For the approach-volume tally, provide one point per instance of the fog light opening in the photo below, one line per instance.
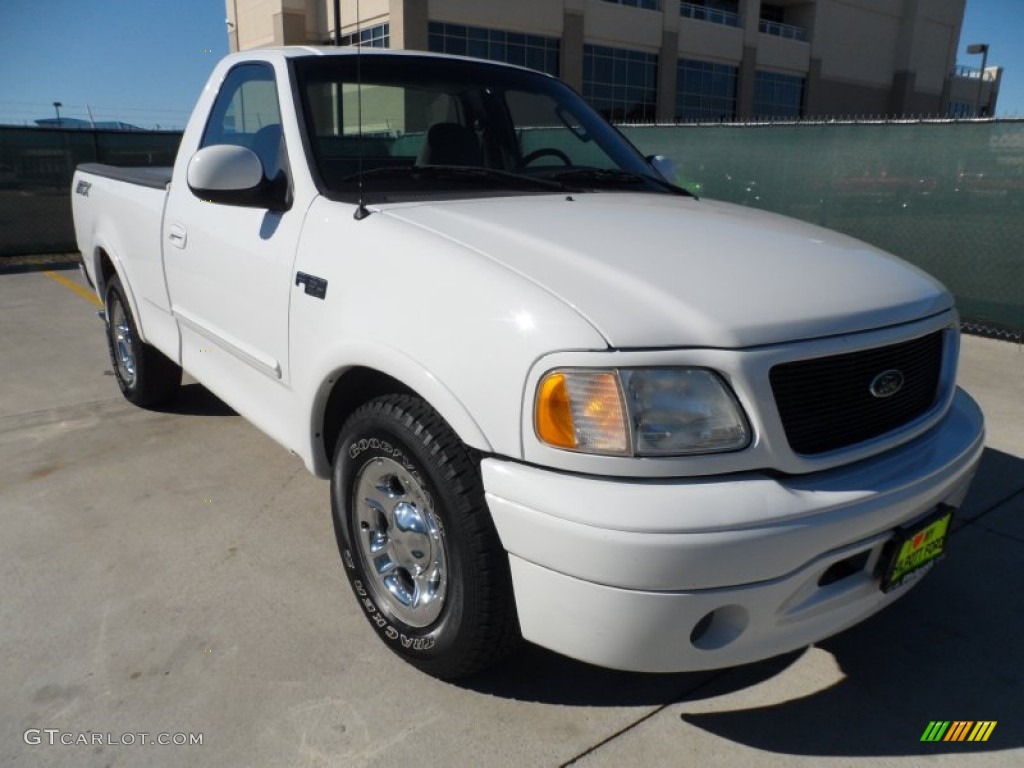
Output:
(844, 569)
(719, 627)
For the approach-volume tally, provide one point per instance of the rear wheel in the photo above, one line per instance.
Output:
(417, 539)
(145, 375)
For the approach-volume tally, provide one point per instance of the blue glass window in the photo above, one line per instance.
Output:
(533, 51)
(621, 84)
(370, 37)
(705, 91)
(778, 95)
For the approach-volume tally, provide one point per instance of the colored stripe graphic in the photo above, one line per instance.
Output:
(982, 730)
(935, 731)
(958, 730)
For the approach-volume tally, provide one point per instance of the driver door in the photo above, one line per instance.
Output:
(229, 267)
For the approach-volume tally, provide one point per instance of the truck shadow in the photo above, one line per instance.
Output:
(950, 650)
(197, 400)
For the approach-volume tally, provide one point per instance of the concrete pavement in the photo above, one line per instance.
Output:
(176, 572)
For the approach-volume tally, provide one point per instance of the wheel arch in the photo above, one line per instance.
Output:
(107, 265)
(103, 269)
(347, 388)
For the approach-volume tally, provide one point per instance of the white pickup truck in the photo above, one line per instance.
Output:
(558, 397)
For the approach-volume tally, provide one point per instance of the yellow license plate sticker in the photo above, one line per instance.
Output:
(917, 547)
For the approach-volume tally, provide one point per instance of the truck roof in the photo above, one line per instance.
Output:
(299, 51)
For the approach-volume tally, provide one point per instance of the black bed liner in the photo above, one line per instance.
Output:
(156, 177)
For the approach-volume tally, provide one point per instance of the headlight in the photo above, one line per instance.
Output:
(639, 412)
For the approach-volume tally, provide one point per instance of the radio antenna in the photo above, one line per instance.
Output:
(361, 211)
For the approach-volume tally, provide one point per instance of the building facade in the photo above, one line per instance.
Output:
(973, 92)
(671, 60)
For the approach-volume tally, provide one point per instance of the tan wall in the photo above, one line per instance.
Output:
(374, 12)
(857, 41)
(255, 23)
(783, 55)
(539, 17)
(868, 41)
(621, 26)
(711, 42)
(802, 14)
(934, 53)
(930, 50)
(316, 20)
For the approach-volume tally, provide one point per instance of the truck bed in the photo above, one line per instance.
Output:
(155, 177)
(118, 215)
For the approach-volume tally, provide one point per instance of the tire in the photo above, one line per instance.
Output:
(145, 375)
(417, 540)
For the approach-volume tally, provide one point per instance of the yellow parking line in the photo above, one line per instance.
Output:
(71, 285)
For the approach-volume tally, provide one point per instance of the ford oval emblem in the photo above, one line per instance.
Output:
(887, 383)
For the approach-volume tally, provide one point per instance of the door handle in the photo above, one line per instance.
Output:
(177, 235)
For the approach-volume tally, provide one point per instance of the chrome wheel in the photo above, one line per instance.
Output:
(400, 542)
(145, 376)
(123, 342)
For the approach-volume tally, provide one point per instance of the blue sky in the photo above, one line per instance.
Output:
(138, 61)
(1000, 23)
(145, 61)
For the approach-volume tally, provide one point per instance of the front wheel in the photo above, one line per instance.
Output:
(145, 375)
(417, 540)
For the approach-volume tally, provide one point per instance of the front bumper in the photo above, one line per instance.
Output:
(677, 575)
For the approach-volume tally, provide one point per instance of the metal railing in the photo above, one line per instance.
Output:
(788, 31)
(973, 73)
(650, 5)
(703, 13)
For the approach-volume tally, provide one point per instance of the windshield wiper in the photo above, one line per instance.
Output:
(612, 178)
(456, 173)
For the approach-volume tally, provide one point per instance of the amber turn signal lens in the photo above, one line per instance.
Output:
(554, 413)
(582, 411)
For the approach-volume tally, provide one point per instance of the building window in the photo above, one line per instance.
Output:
(370, 37)
(778, 95)
(960, 109)
(620, 84)
(716, 11)
(651, 5)
(705, 91)
(533, 51)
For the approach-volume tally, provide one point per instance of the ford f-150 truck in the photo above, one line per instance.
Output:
(558, 397)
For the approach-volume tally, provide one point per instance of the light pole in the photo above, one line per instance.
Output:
(57, 105)
(975, 49)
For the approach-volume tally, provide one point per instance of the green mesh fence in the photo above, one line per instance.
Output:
(948, 197)
(36, 165)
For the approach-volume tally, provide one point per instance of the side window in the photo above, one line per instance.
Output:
(247, 113)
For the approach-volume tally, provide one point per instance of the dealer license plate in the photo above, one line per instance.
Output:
(915, 549)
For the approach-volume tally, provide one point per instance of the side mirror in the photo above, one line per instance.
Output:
(233, 175)
(665, 167)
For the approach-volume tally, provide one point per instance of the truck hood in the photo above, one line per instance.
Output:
(652, 270)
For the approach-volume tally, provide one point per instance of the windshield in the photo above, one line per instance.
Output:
(435, 127)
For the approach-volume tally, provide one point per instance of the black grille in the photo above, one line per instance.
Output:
(827, 403)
